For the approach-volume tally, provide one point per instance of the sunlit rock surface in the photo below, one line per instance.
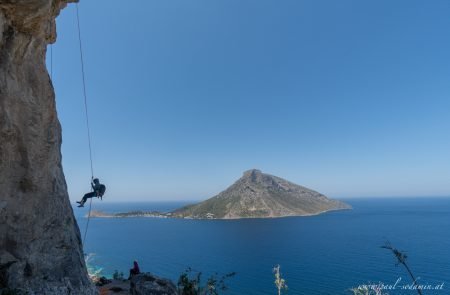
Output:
(40, 247)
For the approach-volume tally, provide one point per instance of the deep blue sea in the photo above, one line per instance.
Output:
(324, 254)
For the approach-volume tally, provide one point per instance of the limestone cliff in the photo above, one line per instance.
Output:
(40, 245)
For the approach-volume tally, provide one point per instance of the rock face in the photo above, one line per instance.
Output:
(148, 284)
(257, 194)
(40, 245)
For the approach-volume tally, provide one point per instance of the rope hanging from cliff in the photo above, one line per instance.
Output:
(87, 223)
(51, 62)
(87, 118)
(84, 92)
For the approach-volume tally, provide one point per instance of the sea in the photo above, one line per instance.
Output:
(330, 253)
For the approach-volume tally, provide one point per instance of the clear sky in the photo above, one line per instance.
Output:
(350, 98)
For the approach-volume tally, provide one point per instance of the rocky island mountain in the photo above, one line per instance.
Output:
(257, 195)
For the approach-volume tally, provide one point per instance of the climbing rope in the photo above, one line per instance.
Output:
(87, 223)
(84, 91)
(87, 118)
(51, 62)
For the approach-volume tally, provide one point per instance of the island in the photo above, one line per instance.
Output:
(260, 195)
(254, 195)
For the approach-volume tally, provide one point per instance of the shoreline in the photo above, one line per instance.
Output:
(99, 214)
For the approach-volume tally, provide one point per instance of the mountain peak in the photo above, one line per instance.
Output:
(252, 172)
(253, 175)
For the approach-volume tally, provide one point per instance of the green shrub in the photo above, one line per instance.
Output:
(118, 276)
(189, 283)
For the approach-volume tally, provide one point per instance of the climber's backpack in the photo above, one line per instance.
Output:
(101, 191)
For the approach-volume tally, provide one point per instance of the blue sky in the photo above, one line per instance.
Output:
(350, 98)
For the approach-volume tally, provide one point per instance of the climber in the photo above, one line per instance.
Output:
(135, 270)
(98, 191)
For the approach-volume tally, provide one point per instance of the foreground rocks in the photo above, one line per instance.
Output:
(115, 287)
(148, 284)
(142, 284)
(40, 245)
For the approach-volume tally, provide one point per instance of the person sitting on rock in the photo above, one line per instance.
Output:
(98, 191)
(135, 270)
